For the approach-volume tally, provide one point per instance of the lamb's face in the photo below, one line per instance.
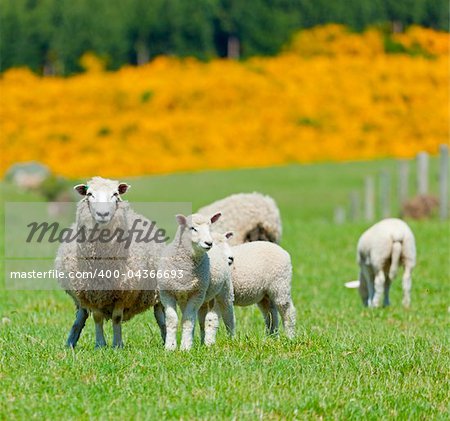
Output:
(198, 227)
(221, 240)
(227, 249)
(102, 196)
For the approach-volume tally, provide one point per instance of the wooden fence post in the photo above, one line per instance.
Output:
(339, 215)
(443, 182)
(403, 178)
(369, 202)
(354, 206)
(422, 173)
(385, 193)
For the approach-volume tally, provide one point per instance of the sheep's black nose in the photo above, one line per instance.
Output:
(102, 215)
(208, 243)
(230, 260)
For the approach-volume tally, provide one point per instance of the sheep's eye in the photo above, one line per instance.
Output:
(193, 229)
(116, 194)
(89, 194)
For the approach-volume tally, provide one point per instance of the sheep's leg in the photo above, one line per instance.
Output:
(188, 328)
(99, 335)
(387, 287)
(288, 313)
(78, 326)
(406, 285)
(201, 321)
(363, 285)
(117, 317)
(211, 326)
(369, 277)
(202, 312)
(226, 309)
(380, 280)
(170, 308)
(189, 311)
(274, 317)
(269, 318)
(158, 311)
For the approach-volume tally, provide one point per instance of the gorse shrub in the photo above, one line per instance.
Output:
(331, 95)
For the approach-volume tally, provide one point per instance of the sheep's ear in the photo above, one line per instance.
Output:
(215, 217)
(81, 189)
(123, 187)
(228, 235)
(181, 219)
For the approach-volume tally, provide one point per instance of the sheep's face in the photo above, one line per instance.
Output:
(102, 196)
(221, 240)
(198, 227)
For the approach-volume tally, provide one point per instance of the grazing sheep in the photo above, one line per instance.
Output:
(381, 249)
(187, 257)
(262, 274)
(251, 217)
(219, 297)
(118, 292)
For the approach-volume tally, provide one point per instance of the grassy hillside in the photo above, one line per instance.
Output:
(347, 362)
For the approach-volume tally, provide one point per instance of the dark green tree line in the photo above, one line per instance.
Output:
(50, 36)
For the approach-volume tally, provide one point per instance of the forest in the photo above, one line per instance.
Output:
(50, 36)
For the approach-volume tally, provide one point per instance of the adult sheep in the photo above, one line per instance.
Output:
(380, 251)
(251, 217)
(110, 282)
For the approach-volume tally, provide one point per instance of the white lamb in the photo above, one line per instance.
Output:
(219, 296)
(187, 256)
(381, 249)
(119, 292)
(262, 274)
(251, 217)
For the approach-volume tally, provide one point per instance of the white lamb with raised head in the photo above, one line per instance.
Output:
(381, 250)
(261, 273)
(219, 296)
(251, 217)
(119, 291)
(187, 256)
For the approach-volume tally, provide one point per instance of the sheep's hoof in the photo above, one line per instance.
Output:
(273, 334)
(118, 346)
(100, 345)
(185, 347)
(171, 347)
(170, 344)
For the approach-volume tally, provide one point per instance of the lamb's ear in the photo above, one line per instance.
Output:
(215, 217)
(229, 234)
(181, 219)
(123, 187)
(81, 189)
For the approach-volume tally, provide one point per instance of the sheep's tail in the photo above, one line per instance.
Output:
(395, 258)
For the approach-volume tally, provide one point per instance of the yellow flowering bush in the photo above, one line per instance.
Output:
(336, 40)
(310, 103)
(430, 41)
(91, 63)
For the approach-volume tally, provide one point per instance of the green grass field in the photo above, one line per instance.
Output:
(346, 362)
